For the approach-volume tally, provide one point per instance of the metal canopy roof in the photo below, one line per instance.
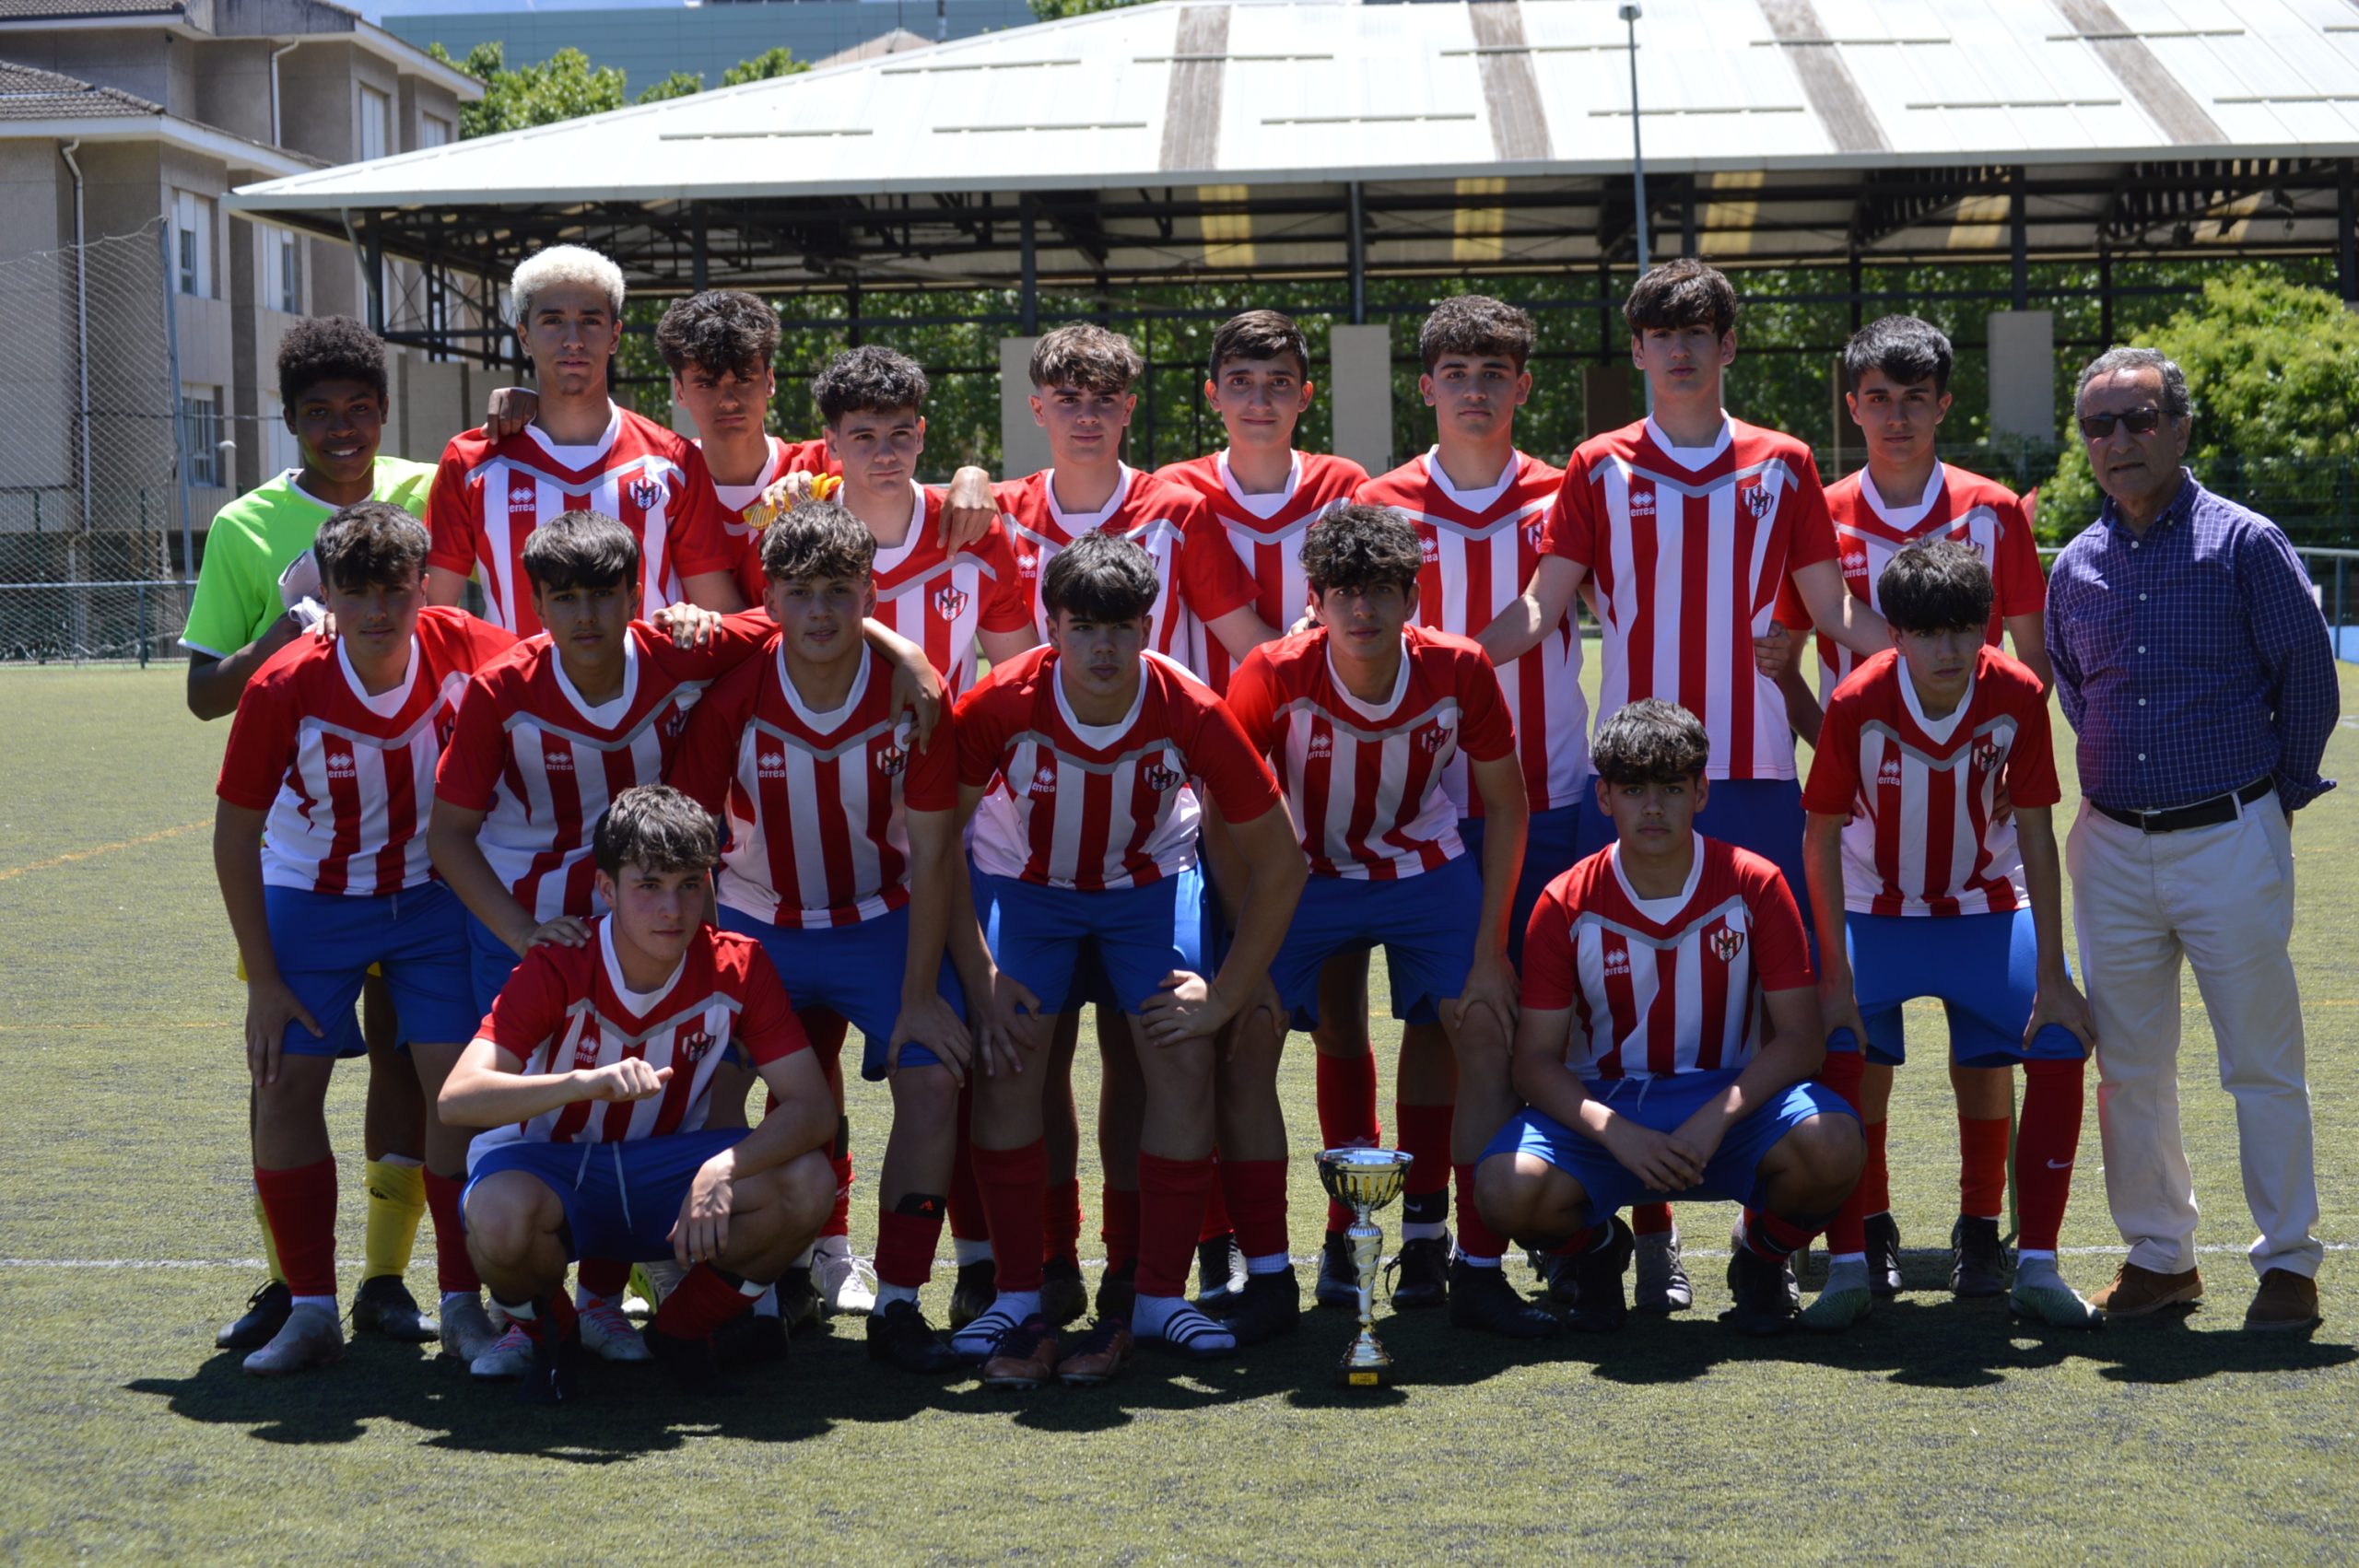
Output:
(1282, 137)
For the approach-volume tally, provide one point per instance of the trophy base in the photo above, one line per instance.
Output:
(1365, 1364)
(1363, 1376)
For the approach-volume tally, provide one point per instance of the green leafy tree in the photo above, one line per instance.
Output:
(763, 66)
(679, 84)
(562, 87)
(1049, 10)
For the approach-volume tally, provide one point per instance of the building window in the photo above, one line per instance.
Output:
(192, 243)
(201, 434)
(433, 130)
(282, 284)
(376, 124)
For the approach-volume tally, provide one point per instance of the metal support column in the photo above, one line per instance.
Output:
(1358, 244)
(1029, 303)
(1859, 301)
(700, 259)
(851, 312)
(2018, 238)
(2346, 210)
(2105, 293)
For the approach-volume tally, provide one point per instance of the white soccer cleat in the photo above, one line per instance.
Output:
(846, 1281)
(510, 1357)
(608, 1335)
(311, 1337)
(467, 1330)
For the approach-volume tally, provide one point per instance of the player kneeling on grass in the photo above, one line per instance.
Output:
(1922, 887)
(1078, 760)
(593, 1074)
(1649, 969)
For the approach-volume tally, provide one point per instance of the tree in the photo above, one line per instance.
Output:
(1050, 10)
(561, 87)
(679, 84)
(763, 66)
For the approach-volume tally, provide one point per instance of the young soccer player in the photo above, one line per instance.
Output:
(1080, 763)
(1922, 887)
(333, 752)
(592, 1077)
(1363, 715)
(1668, 1036)
(843, 863)
(1689, 524)
(256, 592)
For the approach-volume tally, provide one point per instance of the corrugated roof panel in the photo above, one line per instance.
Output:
(1386, 92)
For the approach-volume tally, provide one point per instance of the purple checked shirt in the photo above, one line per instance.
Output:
(2193, 661)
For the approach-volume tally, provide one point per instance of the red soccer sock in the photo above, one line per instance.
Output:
(1257, 1202)
(1649, 1219)
(1580, 1241)
(1346, 1090)
(839, 1217)
(1476, 1237)
(1424, 1132)
(1061, 1224)
(1876, 1181)
(455, 1270)
(1216, 1221)
(1767, 1235)
(905, 1245)
(703, 1300)
(1171, 1201)
(1847, 1232)
(967, 1221)
(300, 1206)
(1982, 1166)
(2046, 1146)
(1121, 1226)
(1015, 1183)
(539, 1318)
(605, 1278)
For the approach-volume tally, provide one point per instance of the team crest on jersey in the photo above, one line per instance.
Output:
(1759, 500)
(1987, 755)
(769, 765)
(1532, 531)
(692, 1047)
(891, 758)
(1162, 777)
(1044, 782)
(951, 601)
(645, 493)
(1321, 744)
(1433, 737)
(1727, 943)
(1642, 503)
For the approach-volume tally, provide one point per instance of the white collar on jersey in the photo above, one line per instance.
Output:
(1691, 458)
(1911, 514)
(1367, 711)
(1660, 910)
(1939, 729)
(293, 480)
(1267, 504)
(1098, 737)
(738, 497)
(1472, 500)
(579, 458)
(640, 1003)
(384, 705)
(889, 557)
(1075, 524)
(824, 723)
(604, 715)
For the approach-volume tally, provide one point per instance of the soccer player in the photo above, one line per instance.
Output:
(592, 1077)
(1688, 525)
(1922, 887)
(256, 592)
(842, 861)
(332, 753)
(580, 453)
(1363, 714)
(1080, 763)
(1668, 1036)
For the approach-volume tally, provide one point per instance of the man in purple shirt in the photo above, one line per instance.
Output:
(2193, 663)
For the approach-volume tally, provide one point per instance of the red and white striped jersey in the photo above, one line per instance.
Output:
(1202, 581)
(1921, 792)
(1689, 554)
(1479, 549)
(944, 601)
(1364, 779)
(347, 779)
(1099, 806)
(815, 802)
(541, 764)
(490, 495)
(1266, 532)
(745, 540)
(1659, 986)
(568, 1008)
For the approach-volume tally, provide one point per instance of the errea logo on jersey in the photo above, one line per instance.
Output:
(1855, 562)
(770, 764)
(1429, 549)
(1727, 943)
(557, 759)
(1888, 771)
(524, 492)
(1044, 782)
(1617, 960)
(1322, 744)
(1642, 503)
(341, 765)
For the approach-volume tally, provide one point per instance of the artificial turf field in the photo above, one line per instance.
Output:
(1937, 1430)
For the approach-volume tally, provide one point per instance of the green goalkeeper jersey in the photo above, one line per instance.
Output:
(255, 537)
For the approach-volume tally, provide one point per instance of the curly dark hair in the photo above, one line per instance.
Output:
(1936, 585)
(817, 538)
(1361, 546)
(328, 349)
(725, 331)
(1475, 324)
(370, 544)
(1682, 293)
(1100, 577)
(1651, 742)
(657, 829)
(1260, 334)
(581, 549)
(867, 379)
(1903, 347)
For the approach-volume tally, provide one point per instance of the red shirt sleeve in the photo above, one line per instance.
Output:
(1253, 699)
(736, 640)
(1219, 753)
(1834, 786)
(1213, 581)
(811, 457)
(705, 763)
(2021, 586)
(700, 539)
(1780, 952)
(468, 771)
(1571, 528)
(530, 1009)
(930, 783)
(1550, 982)
(2030, 771)
(452, 520)
(1007, 603)
(261, 740)
(1813, 536)
(1486, 731)
(1792, 613)
(481, 642)
(766, 1025)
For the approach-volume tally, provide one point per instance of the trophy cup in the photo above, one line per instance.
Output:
(1364, 1180)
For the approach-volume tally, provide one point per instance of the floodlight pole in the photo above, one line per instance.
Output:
(1630, 15)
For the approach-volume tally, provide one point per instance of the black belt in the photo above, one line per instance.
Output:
(2202, 814)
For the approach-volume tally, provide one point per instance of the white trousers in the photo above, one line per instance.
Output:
(2221, 898)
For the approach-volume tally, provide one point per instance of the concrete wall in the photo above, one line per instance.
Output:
(319, 110)
(132, 59)
(234, 90)
(41, 392)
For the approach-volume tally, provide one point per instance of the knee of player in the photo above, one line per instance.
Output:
(807, 1187)
(1505, 1195)
(504, 1214)
(1832, 1148)
(927, 1095)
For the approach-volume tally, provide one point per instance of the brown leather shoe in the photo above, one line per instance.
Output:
(1097, 1355)
(2136, 1292)
(1027, 1357)
(2285, 1300)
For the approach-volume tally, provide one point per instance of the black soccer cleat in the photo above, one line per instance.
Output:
(692, 1365)
(899, 1336)
(1220, 1272)
(750, 1339)
(1118, 1292)
(1420, 1275)
(1595, 1280)
(1339, 1274)
(1063, 1298)
(1767, 1297)
(384, 1306)
(977, 1288)
(557, 1360)
(265, 1314)
(1884, 1256)
(1978, 1258)
(798, 1301)
(1269, 1305)
(1481, 1299)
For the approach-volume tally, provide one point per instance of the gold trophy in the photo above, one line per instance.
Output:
(1364, 1180)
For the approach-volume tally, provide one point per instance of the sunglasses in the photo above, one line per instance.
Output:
(2139, 421)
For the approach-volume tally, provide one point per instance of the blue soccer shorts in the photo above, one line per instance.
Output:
(1560, 839)
(1983, 969)
(1425, 925)
(490, 962)
(621, 1199)
(853, 971)
(1661, 1105)
(1040, 935)
(324, 944)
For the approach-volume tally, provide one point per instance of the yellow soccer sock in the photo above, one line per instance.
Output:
(269, 1244)
(397, 1204)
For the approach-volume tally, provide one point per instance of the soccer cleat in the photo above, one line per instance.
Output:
(973, 1294)
(1482, 1299)
(1269, 1305)
(798, 1300)
(1978, 1258)
(1118, 1290)
(608, 1335)
(978, 1339)
(1025, 1358)
(1836, 1307)
(1099, 1355)
(1339, 1274)
(899, 1336)
(1220, 1272)
(693, 1364)
(1595, 1280)
(265, 1314)
(384, 1306)
(1420, 1275)
(1884, 1256)
(750, 1339)
(2049, 1300)
(311, 1337)
(1662, 1283)
(846, 1281)
(1766, 1293)
(511, 1356)
(1190, 1333)
(548, 1378)
(1063, 1298)
(466, 1328)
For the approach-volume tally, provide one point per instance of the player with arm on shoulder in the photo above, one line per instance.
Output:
(1079, 765)
(593, 1078)
(332, 753)
(1363, 715)
(1668, 1036)
(1922, 887)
